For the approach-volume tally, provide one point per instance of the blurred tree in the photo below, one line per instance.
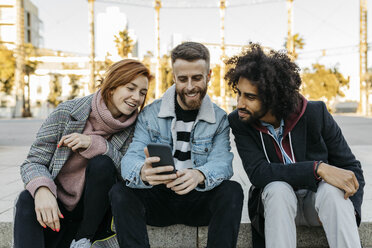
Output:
(166, 76)
(214, 88)
(124, 43)
(147, 59)
(320, 83)
(75, 85)
(298, 44)
(29, 69)
(147, 62)
(7, 65)
(102, 66)
(55, 89)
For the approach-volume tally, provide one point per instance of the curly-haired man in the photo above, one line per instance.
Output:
(301, 168)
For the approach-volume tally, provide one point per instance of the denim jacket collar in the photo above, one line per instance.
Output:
(167, 108)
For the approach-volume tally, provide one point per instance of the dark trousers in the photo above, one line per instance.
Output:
(219, 208)
(87, 220)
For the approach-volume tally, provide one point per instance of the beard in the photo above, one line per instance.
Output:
(195, 103)
(253, 117)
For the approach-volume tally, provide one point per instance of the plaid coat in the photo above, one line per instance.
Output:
(45, 160)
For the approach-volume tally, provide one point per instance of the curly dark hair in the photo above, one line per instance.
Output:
(275, 75)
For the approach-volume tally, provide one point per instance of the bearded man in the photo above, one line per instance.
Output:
(301, 168)
(199, 193)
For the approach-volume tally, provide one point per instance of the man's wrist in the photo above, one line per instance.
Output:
(320, 169)
(201, 177)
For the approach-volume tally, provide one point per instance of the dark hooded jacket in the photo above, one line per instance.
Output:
(310, 135)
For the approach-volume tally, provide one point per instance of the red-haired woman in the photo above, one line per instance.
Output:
(75, 160)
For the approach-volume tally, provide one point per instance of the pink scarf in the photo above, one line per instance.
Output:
(71, 178)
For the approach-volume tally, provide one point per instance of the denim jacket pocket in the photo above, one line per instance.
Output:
(156, 137)
(200, 151)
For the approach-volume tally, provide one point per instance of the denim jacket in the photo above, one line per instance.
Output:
(210, 140)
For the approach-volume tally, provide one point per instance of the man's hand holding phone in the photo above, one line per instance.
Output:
(151, 175)
(187, 180)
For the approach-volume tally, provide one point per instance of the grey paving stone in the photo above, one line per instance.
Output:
(6, 234)
(174, 236)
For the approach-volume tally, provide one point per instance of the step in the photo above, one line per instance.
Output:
(180, 236)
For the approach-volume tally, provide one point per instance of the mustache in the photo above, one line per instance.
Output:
(191, 91)
(245, 111)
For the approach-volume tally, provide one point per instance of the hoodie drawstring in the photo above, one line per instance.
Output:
(264, 148)
(290, 145)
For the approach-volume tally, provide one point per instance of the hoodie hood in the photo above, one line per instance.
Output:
(290, 122)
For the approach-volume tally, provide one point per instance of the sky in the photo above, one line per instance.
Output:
(330, 25)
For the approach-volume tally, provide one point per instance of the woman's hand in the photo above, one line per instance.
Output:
(46, 208)
(75, 141)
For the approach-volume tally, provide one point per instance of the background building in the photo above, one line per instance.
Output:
(33, 25)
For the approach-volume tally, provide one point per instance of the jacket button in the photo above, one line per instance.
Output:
(206, 149)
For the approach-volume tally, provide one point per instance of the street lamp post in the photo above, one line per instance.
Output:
(157, 6)
(223, 54)
(20, 59)
(363, 49)
(290, 42)
(92, 79)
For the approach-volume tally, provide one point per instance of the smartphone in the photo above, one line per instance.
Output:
(164, 152)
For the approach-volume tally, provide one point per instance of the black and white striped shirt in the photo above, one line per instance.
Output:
(184, 122)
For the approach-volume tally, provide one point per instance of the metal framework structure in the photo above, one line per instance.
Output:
(196, 4)
(92, 67)
(157, 6)
(222, 5)
(182, 4)
(290, 41)
(223, 54)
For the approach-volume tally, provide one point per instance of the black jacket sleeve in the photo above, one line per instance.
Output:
(340, 155)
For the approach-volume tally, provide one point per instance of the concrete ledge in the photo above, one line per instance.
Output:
(180, 236)
(6, 234)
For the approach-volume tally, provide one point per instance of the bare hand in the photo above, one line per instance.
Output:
(75, 141)
(150, 174)
(340, 178)
(187, 180)
(46, 208)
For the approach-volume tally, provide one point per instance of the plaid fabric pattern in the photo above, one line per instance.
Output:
(45, 160)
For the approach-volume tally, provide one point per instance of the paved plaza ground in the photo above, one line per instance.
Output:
(17, 135)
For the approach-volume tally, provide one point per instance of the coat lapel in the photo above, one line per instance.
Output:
(78, 119)
(119, 138)
(63, 152)
(270, 148)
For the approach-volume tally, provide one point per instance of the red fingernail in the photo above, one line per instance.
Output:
(44, 226)
(54, 229)
(57, 230)
(58, 145)
(62, 216)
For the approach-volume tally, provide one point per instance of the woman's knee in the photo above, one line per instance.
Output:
(101, 166)
(117, 194)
